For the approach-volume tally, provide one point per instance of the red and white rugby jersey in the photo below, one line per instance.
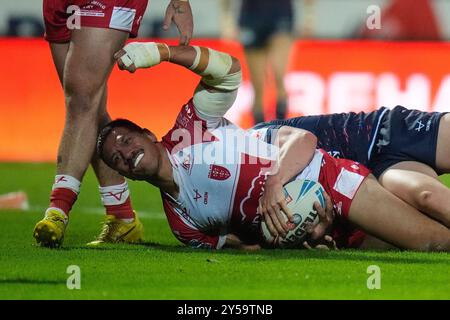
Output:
(220, 170)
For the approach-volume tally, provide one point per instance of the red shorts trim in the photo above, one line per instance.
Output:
(63, 16)
(341, 179)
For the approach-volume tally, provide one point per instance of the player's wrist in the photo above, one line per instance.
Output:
(274, 180)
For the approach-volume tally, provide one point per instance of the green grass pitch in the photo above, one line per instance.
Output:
(163, 269)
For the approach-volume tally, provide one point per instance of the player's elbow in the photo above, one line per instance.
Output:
(309, 137)
(306, 138)
(296, 136)
(235, 65)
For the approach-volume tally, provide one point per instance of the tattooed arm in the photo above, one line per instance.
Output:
(179, 12)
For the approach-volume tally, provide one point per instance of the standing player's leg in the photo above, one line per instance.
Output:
(253, 37)
(115, 196)
(383, 215)
(257, 60)
(417, 184)
(279, 49)
(88, 63)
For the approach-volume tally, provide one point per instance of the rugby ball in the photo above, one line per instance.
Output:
(300, 196)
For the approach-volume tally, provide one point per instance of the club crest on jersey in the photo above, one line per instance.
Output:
(217, 172)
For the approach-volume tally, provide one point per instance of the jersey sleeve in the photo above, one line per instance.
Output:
(188, 234)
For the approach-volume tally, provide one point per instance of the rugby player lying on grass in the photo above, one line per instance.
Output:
(405, 149)
(213, 203)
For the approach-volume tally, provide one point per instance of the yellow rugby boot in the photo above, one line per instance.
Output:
(49, 232)
(118, 231)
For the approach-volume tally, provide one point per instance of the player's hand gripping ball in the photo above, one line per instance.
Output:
(300, 196)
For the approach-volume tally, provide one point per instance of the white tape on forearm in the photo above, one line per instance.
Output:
(197, 58)
(142, 55)
(126, 60)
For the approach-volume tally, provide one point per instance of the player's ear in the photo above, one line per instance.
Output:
(150, 134)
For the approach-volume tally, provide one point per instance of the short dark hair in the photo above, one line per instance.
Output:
(106, 130)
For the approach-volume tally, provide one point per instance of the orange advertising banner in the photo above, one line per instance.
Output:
(322, 77)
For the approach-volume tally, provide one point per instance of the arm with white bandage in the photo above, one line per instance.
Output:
(221, 73)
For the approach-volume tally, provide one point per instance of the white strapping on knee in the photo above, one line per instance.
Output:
(114, 195)
(67, 182)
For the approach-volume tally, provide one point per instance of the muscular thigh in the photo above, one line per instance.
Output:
(408, 178)
(90, 57)
(385, 216)
(59, 54)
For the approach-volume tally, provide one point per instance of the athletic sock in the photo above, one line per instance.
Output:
(64, 193)
(116, 200)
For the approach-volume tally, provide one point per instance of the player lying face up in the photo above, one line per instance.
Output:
(210, 204)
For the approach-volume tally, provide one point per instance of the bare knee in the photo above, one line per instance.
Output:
(426, 201)
(423, 198)
(82, 98)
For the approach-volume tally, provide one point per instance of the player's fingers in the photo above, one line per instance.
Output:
(287, 211)
(188, 38)
(119, 54)
(168, 18)
(318, 231)
(322, 247)
(270, 225)
(281, 220)
(331, 242)
(307, 246)
(184, 40)
(131, 68)
(320, 211)
(120, 65)
(309, 227)
(329, 206)
(275, 221)
(185, 35)
(260, 208)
